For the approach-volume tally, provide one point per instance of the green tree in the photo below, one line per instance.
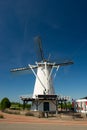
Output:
(69, 105)
(5, 103)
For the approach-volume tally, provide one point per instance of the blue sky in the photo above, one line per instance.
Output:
(62, 24)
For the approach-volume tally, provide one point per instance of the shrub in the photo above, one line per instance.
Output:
(16, 112)
(29, 114)
(1, 116)
(5, 103)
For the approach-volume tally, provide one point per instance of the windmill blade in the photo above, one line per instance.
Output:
(19, 69)
(23, 69)
(38, 40)
(64, 63)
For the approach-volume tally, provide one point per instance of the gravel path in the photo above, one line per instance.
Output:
(20, 119)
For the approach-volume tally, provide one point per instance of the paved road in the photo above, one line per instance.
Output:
(15, 126)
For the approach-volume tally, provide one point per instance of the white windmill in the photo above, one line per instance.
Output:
(44, 98)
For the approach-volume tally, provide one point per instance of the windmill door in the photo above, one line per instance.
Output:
(46, 106)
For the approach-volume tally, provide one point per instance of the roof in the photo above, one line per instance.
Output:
(84, 98)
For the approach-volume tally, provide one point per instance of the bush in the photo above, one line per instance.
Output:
(5, 103)
(1, 116)
(16, 112)
(29, 114)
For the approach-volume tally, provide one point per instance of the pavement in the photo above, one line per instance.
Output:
(20, 126)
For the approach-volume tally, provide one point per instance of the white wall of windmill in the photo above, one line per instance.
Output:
(52, 106)
(43, 81)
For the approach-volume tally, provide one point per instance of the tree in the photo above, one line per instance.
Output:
(5, 103)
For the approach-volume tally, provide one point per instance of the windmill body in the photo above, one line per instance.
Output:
(43, 83)
(43, 88)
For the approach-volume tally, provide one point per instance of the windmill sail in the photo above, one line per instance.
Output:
(64, 63)
(40, 53)
(23, 68)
